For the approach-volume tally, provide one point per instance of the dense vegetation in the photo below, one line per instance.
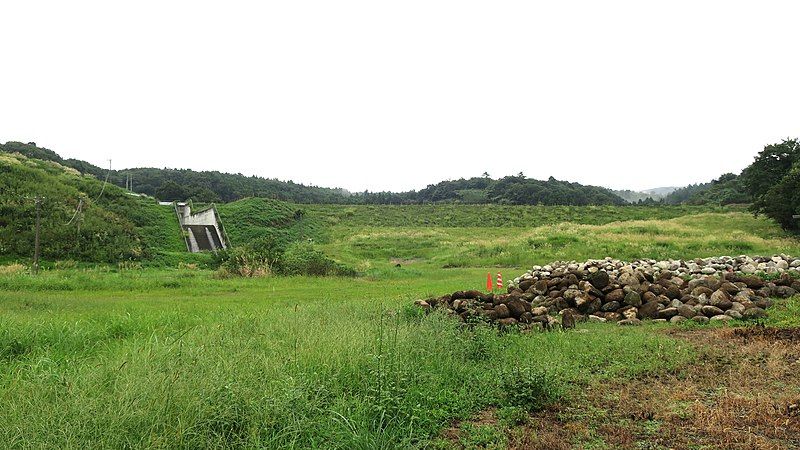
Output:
(472, 216)
(183, 184)
(773, 180)
(725, 190)
(81, 219)
(512, 190)
(260, 219)
(213, 186)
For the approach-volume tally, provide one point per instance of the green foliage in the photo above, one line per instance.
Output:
(770, 166)
(213, 186)
(261, 220)
(532, 388)
(772, 179)
(725, 190)
(509, 216)
(81, 219)
(265, 363)
(301, 258)
(244, 262)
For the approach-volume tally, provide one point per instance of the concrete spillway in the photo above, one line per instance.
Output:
(203, 230)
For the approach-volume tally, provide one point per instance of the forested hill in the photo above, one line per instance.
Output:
(725, 190)
(181, 184)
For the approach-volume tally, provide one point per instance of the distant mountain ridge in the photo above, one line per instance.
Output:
(661, 191)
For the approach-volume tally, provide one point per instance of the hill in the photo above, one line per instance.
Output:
(661, 191)
(213, 186)
(81, 217)
(252, 220)
(636, 196)
(725, 190)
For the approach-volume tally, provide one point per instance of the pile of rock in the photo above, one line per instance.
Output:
(702, 290)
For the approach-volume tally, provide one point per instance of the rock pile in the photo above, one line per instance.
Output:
(702, 290)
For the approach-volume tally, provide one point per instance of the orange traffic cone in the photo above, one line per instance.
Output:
(489, 282)
(499, 281)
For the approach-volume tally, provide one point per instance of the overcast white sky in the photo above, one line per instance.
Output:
(396, 95)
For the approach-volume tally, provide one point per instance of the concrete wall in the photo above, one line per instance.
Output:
(207, 217)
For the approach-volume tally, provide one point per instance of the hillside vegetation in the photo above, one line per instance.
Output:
(213, 186)
(81, 219)
(445, 215)
(260, 219)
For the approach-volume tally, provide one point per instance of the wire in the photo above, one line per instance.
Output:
(77, 210)
(104, 182)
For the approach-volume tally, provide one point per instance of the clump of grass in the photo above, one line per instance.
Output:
(243, 262)
(12, 269)
(532, 388)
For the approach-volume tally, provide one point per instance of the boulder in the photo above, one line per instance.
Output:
(633, 299)
(567, 319)
(667, 313)
(502, 311)
(518, 307)
(686, 311)
(754, 314)
(507, 322)
(649, 310)
(599, 279)
(629, 322)
(617, 295)
(711, 311)
(721, 318)
(539, 311)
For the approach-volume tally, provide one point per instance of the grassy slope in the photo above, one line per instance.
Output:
(176, 358)
(137, 227)
(252, 219)
(377, 248)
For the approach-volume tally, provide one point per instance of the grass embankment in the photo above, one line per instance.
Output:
(375, 249)
(178, 359)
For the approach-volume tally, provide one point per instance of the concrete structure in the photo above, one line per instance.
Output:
(203, 231)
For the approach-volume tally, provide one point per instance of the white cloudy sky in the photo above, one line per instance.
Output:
(396, 95)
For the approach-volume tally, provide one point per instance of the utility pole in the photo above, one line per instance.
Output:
(36, 249)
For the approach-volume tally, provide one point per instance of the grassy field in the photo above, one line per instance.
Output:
(176, 358)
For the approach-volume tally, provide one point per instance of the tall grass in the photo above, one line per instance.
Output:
(169, 358)
(326, 373)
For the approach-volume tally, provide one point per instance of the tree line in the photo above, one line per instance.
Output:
(212, 186)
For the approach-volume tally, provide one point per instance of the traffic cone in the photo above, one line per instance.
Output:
(499, 281)
(489, 282)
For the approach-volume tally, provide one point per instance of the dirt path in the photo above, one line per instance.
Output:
(743, 393)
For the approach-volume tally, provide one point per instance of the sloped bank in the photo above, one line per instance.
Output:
(710, 289)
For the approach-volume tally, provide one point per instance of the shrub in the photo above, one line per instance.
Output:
(301, 258)
(243, 262)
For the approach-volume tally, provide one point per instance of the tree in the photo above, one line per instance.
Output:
(773, 180)
(772, 164)
(170, 191)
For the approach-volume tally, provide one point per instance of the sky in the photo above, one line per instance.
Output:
(379, 95)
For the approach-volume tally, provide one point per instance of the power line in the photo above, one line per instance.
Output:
(104, 182)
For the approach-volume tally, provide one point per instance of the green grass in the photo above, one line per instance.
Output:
(462, 216)
(254, 219)
(270, 362)
(176, 358)
(370, 248)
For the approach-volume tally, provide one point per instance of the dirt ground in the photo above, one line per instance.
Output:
(743, 393)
